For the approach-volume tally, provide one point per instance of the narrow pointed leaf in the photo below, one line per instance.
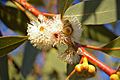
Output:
(95, 11)
(8, 44)
(113, 44)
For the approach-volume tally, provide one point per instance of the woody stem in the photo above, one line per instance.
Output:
(32, 9)
(95, 61)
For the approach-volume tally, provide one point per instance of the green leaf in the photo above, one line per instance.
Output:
(63, 5)
(98, 33)
(14, 18)
(95, 11)
(28, 59)
(8, 44)
(113, 44)
(4, 68)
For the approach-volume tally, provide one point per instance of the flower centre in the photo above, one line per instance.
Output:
(42, 28)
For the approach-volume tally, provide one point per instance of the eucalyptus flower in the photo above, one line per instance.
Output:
(44, 32)
(49, 32)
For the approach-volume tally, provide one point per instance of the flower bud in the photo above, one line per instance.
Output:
(91, 69)
(78, 68)
(114, 77)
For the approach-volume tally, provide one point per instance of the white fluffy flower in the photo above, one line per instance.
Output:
(44, 33)
(47, 32)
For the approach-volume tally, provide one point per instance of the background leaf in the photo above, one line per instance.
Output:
(8, 44)
(14, 18)
(97, 33)
(54, 68)
(113, 44)
(28, 59)
(63, 5)
(4, 68)
(94, 12)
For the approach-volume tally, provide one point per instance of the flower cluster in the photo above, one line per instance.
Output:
(49, 32)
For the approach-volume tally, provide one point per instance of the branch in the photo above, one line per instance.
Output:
(32, 9)
(95, 61)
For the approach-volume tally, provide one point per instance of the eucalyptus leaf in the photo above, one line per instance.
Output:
(95, 11)
(63, 5)
(14, 18)
(98, 33)
(8, 44)
(113, 44)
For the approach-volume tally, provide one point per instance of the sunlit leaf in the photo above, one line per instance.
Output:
(8, 44)
(63, 5)
(14, 18)
(94, 11)
(113, 44)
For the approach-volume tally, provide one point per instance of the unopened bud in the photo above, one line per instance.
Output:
(114, 77)
(91, 69)
(78, 68)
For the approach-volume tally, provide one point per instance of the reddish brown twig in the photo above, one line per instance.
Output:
(95, 61)
(100, 48)
(32, 9)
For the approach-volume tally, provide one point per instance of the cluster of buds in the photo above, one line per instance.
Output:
(115, 76)
(85, 68)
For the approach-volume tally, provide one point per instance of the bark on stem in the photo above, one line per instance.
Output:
(32, 9)
(95, 61)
